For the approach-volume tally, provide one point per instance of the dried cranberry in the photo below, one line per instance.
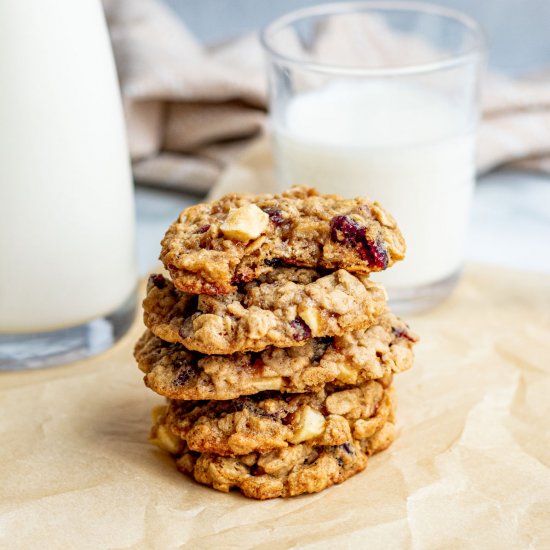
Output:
(402, 333)
(186, 372)
(378, 254)
(348, 448)
(346, 230)
(203, 229)
(300, 329)
(276, 216)
(158, 280)
(274, 262)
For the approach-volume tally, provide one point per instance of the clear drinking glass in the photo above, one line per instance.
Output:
(67, 240)
(380, 99)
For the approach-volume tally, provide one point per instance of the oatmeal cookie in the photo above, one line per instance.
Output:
(270, 420)
(283, 308)
(290, 471)
(213, 247)
(353, 358)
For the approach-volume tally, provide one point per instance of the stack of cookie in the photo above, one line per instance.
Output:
(274, 349)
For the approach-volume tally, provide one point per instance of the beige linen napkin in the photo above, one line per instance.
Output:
(190, 109)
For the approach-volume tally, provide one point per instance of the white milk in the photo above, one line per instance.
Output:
(408, 148)
(66, 196)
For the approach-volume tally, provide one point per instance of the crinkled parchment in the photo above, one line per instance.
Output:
(469, 469)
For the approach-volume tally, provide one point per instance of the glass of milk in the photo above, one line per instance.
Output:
(380, 99)
(67, 244)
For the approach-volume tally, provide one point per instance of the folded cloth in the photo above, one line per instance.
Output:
(190, 109)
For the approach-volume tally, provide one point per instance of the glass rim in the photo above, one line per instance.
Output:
(475, 52)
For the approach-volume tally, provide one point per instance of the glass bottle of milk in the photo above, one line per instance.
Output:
(67, 244)
(382, 102)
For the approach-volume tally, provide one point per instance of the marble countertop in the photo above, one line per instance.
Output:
(510, 223)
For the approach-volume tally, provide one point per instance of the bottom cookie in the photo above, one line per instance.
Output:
(291, 471)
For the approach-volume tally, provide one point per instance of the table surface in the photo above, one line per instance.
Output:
(510, 223)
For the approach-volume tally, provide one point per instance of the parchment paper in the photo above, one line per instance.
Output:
(470, 467)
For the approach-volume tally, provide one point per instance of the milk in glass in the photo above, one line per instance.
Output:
(407, 147)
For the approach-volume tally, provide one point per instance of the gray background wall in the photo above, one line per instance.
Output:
(518, 30)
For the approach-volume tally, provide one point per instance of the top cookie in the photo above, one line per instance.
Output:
(213, 247)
